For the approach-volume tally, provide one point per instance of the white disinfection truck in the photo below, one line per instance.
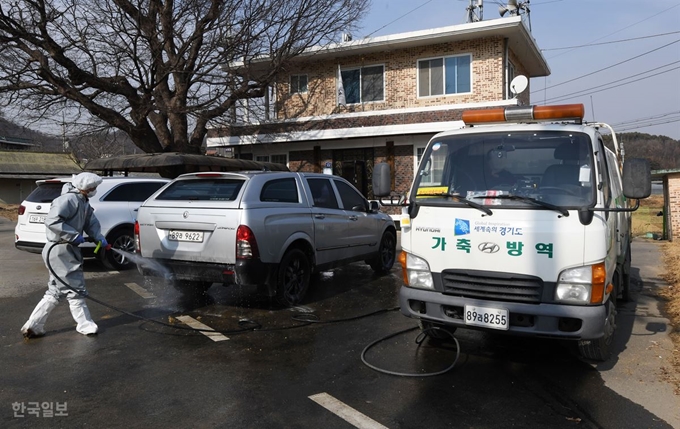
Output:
(520, 222)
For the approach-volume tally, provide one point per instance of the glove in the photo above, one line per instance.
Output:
(78, 240)
(105, 244)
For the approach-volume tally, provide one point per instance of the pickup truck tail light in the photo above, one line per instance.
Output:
(246, 245)
(138, 243)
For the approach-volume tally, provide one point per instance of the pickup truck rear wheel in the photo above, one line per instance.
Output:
(293, 278)
(384, 260)
(600, 349)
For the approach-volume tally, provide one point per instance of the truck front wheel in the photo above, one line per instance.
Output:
(293, 278)
(600, 349)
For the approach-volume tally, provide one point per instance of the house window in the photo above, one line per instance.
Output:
(279, 159)
(511, 76)
(298, 83)
(449, 75)
(276, 159)
(364, 84)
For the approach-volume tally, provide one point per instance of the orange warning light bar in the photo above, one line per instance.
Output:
(564, 112)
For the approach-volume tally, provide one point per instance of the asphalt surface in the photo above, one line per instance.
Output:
(142, 374)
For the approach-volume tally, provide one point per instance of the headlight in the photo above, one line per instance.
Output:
(581, 285)
(416, 271)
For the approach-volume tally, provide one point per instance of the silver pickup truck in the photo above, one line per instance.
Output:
(270, 229)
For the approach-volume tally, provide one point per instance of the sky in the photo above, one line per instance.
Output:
(632, 85)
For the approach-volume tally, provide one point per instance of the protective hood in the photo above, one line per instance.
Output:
(85, 181)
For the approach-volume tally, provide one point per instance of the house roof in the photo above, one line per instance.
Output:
(520, 41)
(36, 164)
(660, 174)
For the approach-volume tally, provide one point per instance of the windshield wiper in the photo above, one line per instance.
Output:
(465, 201)
(558, 209)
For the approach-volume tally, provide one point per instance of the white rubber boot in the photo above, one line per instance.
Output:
(81, 314)
(35, 326)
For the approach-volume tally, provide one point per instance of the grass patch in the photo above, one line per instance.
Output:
(645, 218)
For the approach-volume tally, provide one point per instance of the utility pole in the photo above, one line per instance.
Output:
(473, 16)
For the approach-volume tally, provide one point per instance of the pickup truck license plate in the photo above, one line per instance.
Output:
(494, 318)
(36, 219)
(193, 236)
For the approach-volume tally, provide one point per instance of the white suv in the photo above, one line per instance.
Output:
(115, 205)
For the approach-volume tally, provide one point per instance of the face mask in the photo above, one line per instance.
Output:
(91, 194)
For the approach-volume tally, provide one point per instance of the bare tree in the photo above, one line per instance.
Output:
(159, 70)
(102, 144)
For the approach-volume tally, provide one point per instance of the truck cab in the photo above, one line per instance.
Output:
(520, 227)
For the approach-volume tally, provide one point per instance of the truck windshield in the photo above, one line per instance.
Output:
(554, 167)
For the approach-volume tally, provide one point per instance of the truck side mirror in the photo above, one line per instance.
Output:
(382, 180)
(637, 178)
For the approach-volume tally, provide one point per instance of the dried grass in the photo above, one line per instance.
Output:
(9, 211)
(645, 219)
(671, 308)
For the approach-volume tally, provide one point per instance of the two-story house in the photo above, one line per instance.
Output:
(344, 107)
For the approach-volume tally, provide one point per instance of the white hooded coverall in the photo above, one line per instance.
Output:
(70, 215)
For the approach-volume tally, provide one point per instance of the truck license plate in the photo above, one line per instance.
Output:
(36, 219)
(193, 236)
(494, 318)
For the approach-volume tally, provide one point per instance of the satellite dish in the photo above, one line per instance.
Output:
(519, 84)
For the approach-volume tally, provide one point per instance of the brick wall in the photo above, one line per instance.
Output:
(674, 204)
(400, 79)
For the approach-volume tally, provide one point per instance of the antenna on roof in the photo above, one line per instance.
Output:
(472, 15)
(517, 8)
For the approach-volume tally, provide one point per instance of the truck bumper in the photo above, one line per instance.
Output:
(537, 320)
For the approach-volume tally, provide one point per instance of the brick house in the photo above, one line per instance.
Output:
(399, 91)
(671, 196)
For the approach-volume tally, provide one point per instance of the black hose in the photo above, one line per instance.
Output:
(306, 318)
(419, 340)
(120, 310)
(253, 326)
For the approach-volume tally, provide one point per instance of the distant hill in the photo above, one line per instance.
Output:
(662, 152)
(84, 147)
(43, 142)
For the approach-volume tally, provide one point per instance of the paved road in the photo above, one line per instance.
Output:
(140, 374)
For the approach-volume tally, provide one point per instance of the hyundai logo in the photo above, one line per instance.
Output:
(38, 207)
(185, 215)
(488, 247)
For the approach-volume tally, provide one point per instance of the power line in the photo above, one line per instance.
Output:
(567, 97)
(648, 125)
(613, 41)
(407, 13)
(624, 28)
(647, 119)
(578, 93)
(606, 68)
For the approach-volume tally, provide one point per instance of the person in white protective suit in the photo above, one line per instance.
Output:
(70, 215)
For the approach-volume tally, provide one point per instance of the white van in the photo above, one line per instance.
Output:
(520, 227)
